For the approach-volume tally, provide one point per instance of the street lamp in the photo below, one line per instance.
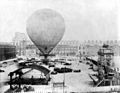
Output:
(64, 80)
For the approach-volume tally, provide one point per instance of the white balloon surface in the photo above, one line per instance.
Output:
(45, 28)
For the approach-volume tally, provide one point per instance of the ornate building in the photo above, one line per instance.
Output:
(67, 48)
(20, 42)
(25, 47)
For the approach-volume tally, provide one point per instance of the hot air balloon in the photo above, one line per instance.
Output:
(45, 28)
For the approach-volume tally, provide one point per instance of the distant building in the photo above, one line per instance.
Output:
(20, 42)
(67, 48)
(64, 48)
(24, 46)
(90, 48)
(7, 51)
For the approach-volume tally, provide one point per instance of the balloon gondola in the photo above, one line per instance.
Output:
(45, 28)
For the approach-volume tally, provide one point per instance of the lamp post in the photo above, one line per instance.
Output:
(64, 80)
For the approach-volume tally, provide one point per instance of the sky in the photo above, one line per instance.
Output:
(84, 19)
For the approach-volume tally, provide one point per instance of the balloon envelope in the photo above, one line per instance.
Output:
(45, 28)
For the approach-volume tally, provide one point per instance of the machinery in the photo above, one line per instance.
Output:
(105, 65)
(106, 73)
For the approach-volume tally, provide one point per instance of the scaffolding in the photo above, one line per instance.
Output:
(107, 76)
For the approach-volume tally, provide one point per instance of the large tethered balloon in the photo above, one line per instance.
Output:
(45, 28)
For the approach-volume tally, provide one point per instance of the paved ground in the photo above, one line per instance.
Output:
(4, 75)
(75, 82)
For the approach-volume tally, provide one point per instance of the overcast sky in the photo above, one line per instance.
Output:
(84, 19)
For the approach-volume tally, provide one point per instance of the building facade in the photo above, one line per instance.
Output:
(20, 41)
(66, 48)
(27, 48)
(7, 51)
(90, 48)
(24, 46)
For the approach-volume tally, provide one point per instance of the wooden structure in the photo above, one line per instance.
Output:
(18, 80)
(107, 75)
